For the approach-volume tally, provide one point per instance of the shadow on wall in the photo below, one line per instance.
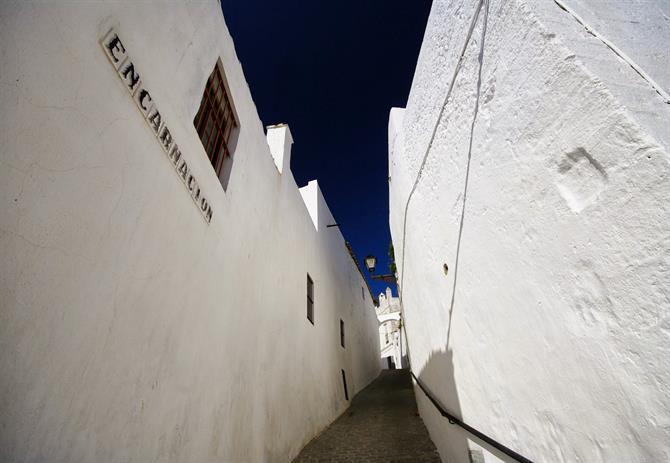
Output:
(453, 443)
(437, 376)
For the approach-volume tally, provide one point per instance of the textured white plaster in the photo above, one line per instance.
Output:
(641, 29)
(638, 30)
(555, 341)
(130, 330)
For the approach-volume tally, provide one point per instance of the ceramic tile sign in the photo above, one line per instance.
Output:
(127, 71)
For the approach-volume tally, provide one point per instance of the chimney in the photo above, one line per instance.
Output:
(280, 141)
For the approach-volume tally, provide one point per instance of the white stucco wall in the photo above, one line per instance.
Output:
(556, 343)
(130, 329)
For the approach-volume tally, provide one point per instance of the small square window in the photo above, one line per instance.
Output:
(310, 299)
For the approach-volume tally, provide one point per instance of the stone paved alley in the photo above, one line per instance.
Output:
(382, 425)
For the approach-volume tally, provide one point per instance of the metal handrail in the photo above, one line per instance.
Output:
(453, 420)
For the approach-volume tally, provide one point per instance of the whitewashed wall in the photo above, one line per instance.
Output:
(130, 329)
(391, 341)
(557, 340)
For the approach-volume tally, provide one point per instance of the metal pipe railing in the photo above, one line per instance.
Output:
(480, 435)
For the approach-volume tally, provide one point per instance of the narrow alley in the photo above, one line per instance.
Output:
(382, 425)
(227, 228)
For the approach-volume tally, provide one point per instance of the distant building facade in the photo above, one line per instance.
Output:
(529, 183)
(391, 342)
(167, 292)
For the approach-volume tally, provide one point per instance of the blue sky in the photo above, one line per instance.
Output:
(332, 71)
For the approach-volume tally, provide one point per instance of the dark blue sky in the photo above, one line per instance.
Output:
(332, 71)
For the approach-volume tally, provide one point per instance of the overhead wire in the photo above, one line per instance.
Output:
(482, 4)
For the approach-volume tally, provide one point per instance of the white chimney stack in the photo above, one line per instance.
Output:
(280, 141)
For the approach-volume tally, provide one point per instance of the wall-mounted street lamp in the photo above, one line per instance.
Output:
(371, 263)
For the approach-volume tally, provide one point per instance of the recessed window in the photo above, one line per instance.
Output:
(362, 293)
(341, 332)
(216, 121)
(344, 384)
(310, 299)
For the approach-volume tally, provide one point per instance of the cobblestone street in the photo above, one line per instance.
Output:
(382, 425)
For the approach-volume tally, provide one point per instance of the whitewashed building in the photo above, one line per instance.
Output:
(530, 208)
(391, 342)
(167, 292)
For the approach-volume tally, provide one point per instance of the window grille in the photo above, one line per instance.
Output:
(215, 120)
